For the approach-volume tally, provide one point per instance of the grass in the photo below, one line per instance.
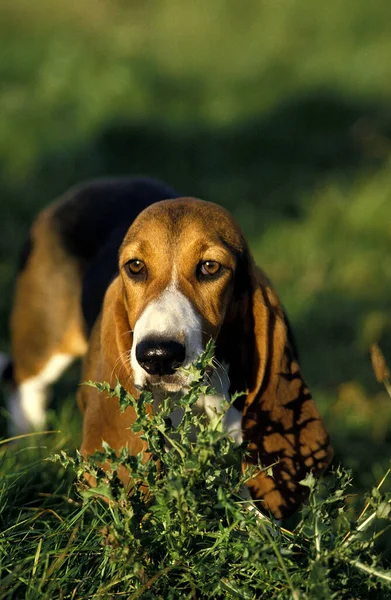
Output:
(191, 535)
(279, 111)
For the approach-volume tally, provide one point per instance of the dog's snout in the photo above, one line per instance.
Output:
(160, 357)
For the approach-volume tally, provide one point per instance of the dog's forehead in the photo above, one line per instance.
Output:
(185, 220)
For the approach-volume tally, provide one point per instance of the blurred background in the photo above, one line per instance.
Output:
(278, 109)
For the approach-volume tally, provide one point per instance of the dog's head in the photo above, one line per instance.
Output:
(178, 268)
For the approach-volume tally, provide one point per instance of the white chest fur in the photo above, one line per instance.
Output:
(213, 406)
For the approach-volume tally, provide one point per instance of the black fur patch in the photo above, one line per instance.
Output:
(25, 253)
(87, 215)
(7, 374)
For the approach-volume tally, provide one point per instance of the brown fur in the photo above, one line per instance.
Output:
(241, 311)
(46, 316)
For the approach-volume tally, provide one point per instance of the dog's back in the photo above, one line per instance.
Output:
(68, 261)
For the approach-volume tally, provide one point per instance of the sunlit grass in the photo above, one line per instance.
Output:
(192, 535)
(278, 110)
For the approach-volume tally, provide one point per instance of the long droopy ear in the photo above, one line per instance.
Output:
(108, 360)
(110, 342)
(116, 337)
(280, 419)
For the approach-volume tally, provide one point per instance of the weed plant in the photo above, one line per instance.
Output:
(184, 530)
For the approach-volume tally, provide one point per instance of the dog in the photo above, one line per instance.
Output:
(136, 280)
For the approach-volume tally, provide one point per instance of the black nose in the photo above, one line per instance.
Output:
(160, 357)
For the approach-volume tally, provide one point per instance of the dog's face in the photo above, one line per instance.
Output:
(178, 265)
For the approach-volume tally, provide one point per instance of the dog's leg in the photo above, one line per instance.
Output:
(27, 403)
(35, 370)
(47, 330)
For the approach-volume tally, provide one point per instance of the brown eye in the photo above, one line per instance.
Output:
(135, 268)
(210, 268)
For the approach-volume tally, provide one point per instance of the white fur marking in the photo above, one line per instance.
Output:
(214, 405)
(170, 316)
(232, 424)
(28, 402)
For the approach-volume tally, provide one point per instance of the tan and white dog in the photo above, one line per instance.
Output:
(137, 280)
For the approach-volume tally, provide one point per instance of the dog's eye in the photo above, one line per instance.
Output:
(135, 268)
(209, 268)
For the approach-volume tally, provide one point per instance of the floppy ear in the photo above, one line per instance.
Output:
(116, 337)
(109, 346)
(107, 360)
(280, 419)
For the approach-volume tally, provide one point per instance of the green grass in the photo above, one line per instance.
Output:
(192, 535)
(278, 110)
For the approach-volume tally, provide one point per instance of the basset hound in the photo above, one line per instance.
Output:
(137, 280)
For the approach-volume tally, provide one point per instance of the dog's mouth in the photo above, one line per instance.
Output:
(177, 382)
(165, 383)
